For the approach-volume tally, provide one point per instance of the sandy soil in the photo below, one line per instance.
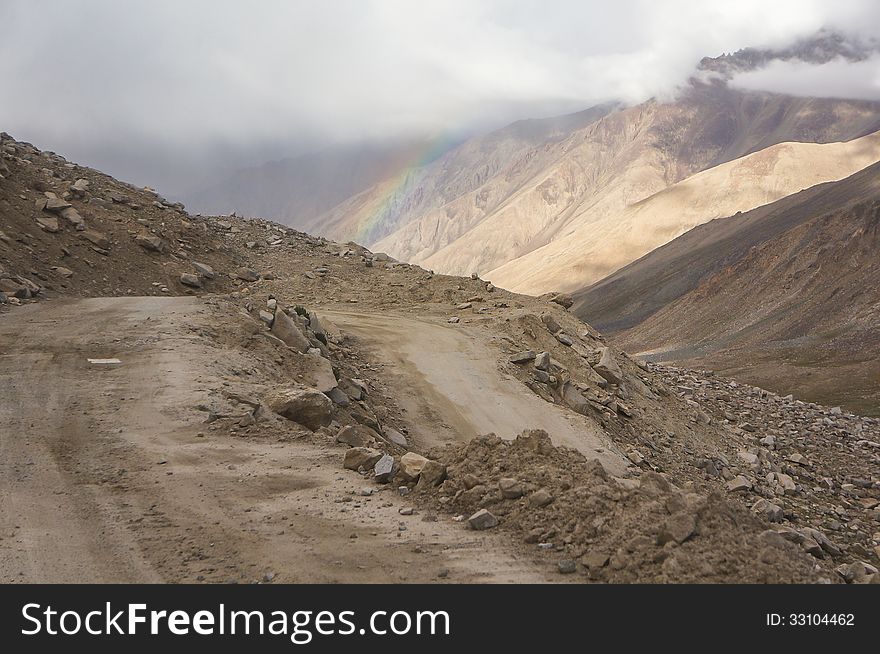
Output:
(109, 473)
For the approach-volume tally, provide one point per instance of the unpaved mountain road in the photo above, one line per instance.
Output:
(452, 389)
(109, 474)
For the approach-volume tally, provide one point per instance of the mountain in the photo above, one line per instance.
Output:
(191, 398)
(615, 236)
(578, 187)
(378, 211)
(803, 275)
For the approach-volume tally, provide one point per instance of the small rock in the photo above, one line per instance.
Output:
(385, 468)
(771, 512)
(204, 270)
(566, 567)
(339, 398)
(150, 242)
(523, 357)
(511, 489)
(394, 436)
(48, 223)
(361, 457)
(678, 528)
(356, 436)
(188, 279)
(482, 520)
(595, 560)
(247, 275)
(565, 339)
(542, 361)
(739, 484)
(550, 323)
(540, 498)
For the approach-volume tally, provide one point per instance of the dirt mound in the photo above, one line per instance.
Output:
(611, 530)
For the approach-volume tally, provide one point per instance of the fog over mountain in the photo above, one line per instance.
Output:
(177, 95)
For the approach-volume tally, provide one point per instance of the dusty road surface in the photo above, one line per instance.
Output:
(453, 390)
(108, 473)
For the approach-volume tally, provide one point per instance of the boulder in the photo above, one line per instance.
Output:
(56, 205)
(361, 457)
(608, 367)
(337, 395)
(150, 242)
(769, 511)
(247, 275)
(511, 489)
(432, 474)
(97, 239)
(482, 520)
(318, 372)
(550, 323)
(411, 465)
(289, 332)
(308, 407)
(563, 300)
(357, 436)
(542, 361)
(385, 468)
(48, 223)
(204, 270)
(188, 279)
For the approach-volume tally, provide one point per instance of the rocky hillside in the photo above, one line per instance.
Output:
(803, 270)
(330, 392)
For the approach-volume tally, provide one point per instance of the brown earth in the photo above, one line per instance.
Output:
(172, 465)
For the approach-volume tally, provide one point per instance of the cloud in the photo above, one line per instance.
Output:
(167, 92)
(836, 79)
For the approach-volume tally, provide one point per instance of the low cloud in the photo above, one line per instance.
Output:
(836, 79)
(169, 93)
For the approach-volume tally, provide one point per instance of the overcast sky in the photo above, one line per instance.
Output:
(168, 92)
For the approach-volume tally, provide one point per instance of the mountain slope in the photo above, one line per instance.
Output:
(632, 294)
(803, 275)
(392, 202)
(600, 170)
(609, 237)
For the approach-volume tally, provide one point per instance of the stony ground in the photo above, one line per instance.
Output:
(342, 400)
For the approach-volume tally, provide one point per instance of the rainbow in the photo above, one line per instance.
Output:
(399, 173)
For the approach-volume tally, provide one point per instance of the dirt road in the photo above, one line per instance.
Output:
(108, 473)
(453, 390)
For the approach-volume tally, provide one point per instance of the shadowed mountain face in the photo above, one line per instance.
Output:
(785, 295)
(520, 226)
